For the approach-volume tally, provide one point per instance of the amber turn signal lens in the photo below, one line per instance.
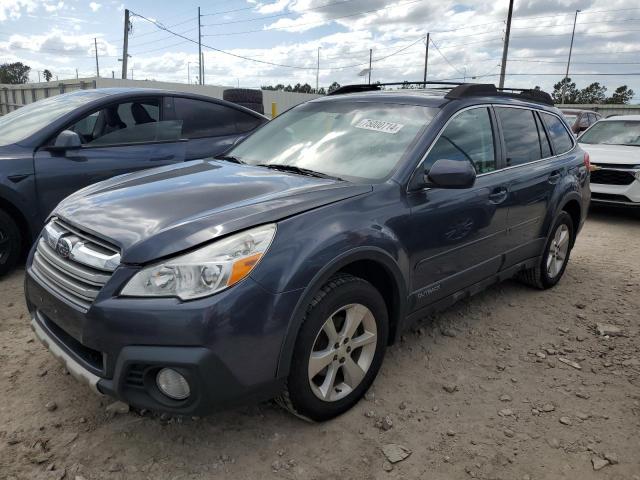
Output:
(241, 268)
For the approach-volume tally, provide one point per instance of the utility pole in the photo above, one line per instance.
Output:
(189, 73)
(202, 76)
(426, 58)
(318, 71)
(370, 60)
(566, 76)
(200, 72)
(505, 49)
(132, 74)
(95, 43)
(76, 73)
(38, 76)
(125, 44)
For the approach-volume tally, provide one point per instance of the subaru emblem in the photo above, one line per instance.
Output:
(64, 246)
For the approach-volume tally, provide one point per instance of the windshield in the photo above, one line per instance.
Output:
(613, 132)
(27, 120)
(357, 141)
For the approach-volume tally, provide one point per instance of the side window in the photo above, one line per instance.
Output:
(245, 122)
(85, 127)
(545, 144)
(204, 119)
(128, 122)
(468, 137)
(560, 138)
(520, 135)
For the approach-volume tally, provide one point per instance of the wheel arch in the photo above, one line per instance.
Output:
(15, 213)
(372, 264)
(573, 208)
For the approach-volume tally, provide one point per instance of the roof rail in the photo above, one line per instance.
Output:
(365, 87)
(459, 90)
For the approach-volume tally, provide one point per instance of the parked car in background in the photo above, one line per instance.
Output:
(286, 267)
(53, 147)
(614, 146)
(580, 120)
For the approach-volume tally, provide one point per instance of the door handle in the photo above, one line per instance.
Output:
(554, 176)
(498, 195)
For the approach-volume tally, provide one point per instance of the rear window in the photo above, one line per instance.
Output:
(561, 139)
(208, 119)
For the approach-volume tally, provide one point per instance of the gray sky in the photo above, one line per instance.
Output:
(467, 40)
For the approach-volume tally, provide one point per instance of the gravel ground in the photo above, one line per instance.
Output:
(514, 383)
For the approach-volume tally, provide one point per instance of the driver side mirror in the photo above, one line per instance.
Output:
(66, 140)
(450, 174)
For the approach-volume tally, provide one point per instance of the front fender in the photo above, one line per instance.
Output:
(311, 247)
(322, 276)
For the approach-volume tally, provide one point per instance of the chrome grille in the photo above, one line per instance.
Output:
(73, 264)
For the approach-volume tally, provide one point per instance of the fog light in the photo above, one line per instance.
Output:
(173, 384)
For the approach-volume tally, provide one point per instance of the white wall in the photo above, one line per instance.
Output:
(29, 92)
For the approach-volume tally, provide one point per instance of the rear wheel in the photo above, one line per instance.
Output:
(10, 243)
(555, 257)
(339, 349)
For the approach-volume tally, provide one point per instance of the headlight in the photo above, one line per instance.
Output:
(205, 271)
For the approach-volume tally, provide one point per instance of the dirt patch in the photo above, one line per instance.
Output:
(514, 383)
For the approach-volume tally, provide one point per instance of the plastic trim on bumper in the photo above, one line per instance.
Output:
(76, 370)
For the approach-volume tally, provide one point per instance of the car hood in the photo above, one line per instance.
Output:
(159, 212)
(616, 154)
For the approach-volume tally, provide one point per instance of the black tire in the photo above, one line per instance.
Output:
(538, 276)
(10, 243)
(256, 107)
(242, 95)
(339, 291)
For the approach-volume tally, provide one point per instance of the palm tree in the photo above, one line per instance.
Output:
(47, 74)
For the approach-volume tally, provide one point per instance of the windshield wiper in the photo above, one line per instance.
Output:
(229, 158)
(298, 170)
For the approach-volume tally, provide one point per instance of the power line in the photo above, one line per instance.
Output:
(162, 27)
(446, 59)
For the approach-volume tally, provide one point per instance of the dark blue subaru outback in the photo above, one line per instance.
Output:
(287, 266)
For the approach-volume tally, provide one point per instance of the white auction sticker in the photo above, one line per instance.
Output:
(379, 125)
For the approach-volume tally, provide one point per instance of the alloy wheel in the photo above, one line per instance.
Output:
(342, 352)
(558, 250)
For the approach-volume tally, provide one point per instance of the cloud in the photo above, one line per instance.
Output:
(277, 6)
(12, 9)
(53, 7)
(95, 6)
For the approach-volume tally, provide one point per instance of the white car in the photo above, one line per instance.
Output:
(613, 144)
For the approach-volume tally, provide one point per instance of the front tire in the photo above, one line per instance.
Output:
(10, 243)
(339, 350)
(555, 257)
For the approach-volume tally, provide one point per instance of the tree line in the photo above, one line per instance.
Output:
(301, 88)
(594, 93)
(18, 72)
